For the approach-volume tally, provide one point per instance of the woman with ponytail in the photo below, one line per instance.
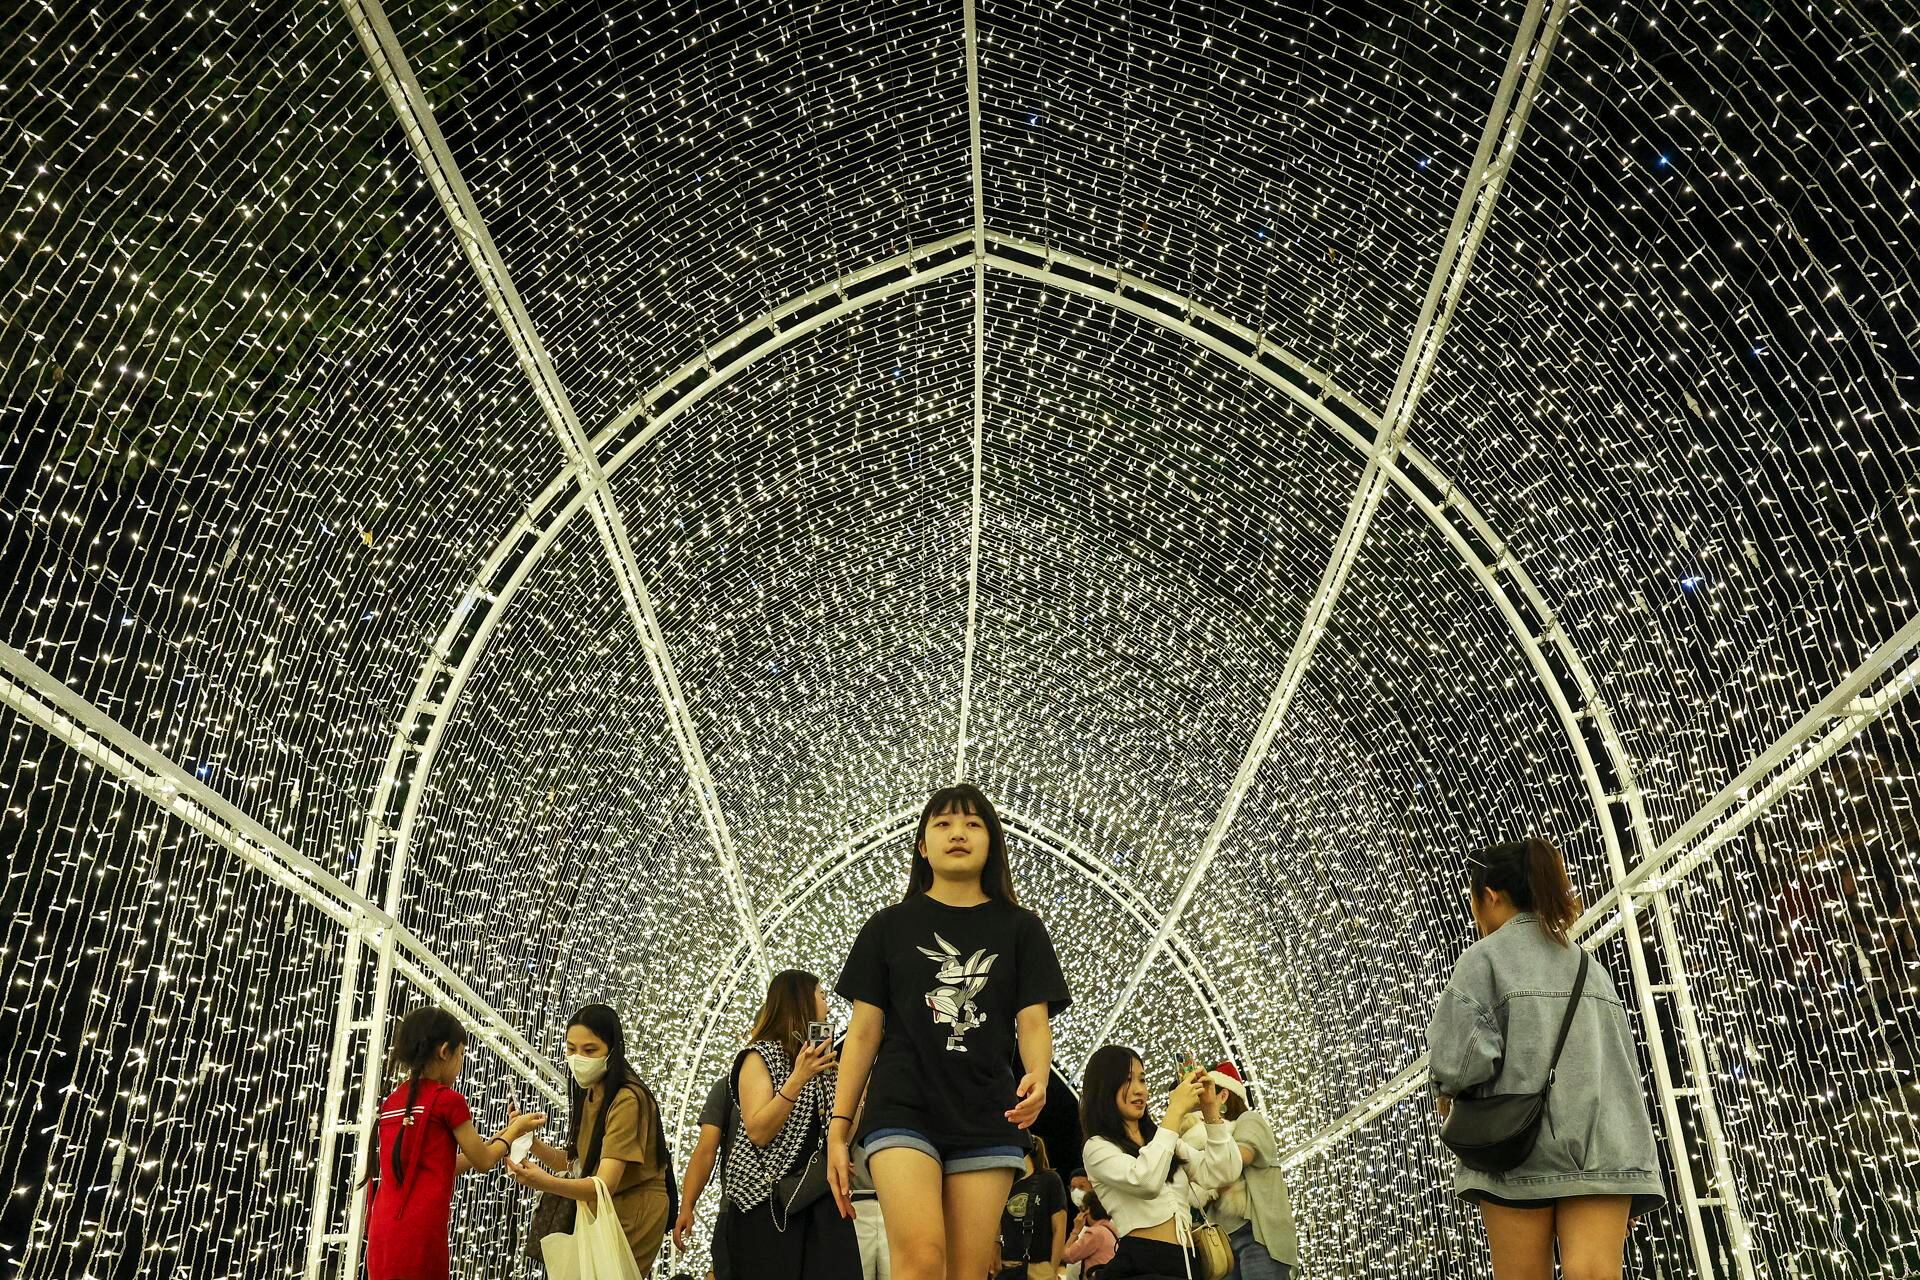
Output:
(1593, 1166)
(424, 1138)
(615, 1136)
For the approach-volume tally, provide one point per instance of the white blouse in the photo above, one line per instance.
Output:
(1136, 1189)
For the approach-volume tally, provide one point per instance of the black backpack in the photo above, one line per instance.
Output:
(665, 1156)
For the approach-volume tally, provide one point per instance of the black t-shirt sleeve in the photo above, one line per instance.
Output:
(1056, 1196)
(719, 1098)
(1040, 980)
(864, 977)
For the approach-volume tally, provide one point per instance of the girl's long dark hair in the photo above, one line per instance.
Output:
(1534, 875)
(605, 1025)
(422, 1034)
(787, 1010)
(996, 877)
(1108, 1070)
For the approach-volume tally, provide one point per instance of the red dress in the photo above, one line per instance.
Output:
(407, 1219)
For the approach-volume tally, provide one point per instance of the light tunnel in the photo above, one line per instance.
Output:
(509, 505)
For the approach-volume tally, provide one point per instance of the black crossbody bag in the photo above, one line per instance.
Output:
(1494, 1134)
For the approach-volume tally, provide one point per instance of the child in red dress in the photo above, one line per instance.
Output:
(426, 1137)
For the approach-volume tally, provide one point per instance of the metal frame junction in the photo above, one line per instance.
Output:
(1572, 692)
(1858, 702)
(43, 700)
(1855, 705)
(409, 102)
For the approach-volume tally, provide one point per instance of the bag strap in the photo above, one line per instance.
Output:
(1566, 1021)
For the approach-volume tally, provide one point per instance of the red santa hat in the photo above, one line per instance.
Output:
(1225, 1076)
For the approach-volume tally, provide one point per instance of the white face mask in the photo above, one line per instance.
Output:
(1079, 1198)
(586, 1071)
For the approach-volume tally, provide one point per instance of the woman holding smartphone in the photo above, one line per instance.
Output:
(782, 1224)
(1146, 1174)
(946, 985)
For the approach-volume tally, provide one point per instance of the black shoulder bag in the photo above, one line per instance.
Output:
(1494, 1134)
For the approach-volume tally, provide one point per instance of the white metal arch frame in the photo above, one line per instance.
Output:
(1606, 766)
(1572, 692)
(724, 984)
(1534, 39)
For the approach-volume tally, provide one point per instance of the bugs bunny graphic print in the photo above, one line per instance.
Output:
(958, 981)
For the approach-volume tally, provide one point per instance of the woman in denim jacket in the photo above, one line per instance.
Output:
(1593, 1167)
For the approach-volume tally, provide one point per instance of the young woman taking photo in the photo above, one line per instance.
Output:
(947, 986)
(781, 1226)
(1145, 1173)
(1593, 1165)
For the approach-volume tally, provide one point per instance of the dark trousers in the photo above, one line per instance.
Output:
(818, 1244)
(722, 1226)
(1139, 1259)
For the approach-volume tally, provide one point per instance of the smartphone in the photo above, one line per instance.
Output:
(819, 1033)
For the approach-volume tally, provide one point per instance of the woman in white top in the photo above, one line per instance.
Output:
(1145, 1182)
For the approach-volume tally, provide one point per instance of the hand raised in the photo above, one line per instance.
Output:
(1210, 1099)
(1183, 1101)
(814, 1059)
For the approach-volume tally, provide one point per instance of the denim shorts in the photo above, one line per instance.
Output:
(951, 1157)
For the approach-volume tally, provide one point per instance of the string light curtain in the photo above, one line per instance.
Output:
(990, 383)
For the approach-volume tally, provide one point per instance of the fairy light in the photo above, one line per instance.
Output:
(265, 431)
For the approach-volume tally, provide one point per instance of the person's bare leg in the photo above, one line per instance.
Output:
(973, 1205)
(1520, 1240)
(907, 1183)
(1593, 1236)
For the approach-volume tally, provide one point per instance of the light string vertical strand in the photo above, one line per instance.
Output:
(404, 94)
(978, 492)
(1520, 83)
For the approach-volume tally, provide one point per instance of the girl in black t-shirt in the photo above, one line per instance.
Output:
(1033, 1230)
(948, 986)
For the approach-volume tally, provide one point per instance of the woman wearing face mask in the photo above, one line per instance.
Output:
(1146, 1182)
(614, 1135)
(1092, 1245)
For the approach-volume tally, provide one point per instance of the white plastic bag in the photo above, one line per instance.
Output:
(597, 1248)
